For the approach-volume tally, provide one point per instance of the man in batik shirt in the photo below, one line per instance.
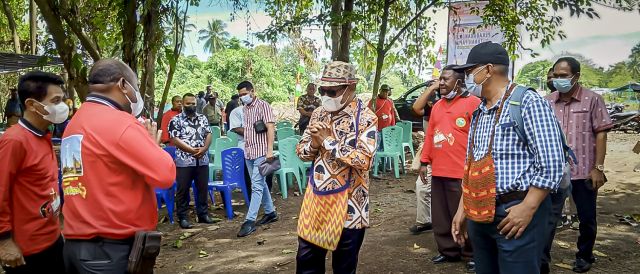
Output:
(306, 105)
(341, 141)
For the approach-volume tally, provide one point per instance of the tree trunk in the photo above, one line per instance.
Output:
(129, 35)
(151, 43)
(345, 37)
(336, 11)
(12, 26)
(33, 27)
(70, 16)
(380, 50)
(165, 92)
(64, 46)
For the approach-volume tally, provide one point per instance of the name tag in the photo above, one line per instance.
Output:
(438, 137)
(385, 117)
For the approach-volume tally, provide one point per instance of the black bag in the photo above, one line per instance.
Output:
(260, 127)
(146, 248)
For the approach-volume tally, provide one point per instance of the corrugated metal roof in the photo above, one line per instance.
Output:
(10, 62)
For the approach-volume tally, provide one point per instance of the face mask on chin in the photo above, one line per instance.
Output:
(452, 94)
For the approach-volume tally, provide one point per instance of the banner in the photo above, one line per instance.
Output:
(465, 31)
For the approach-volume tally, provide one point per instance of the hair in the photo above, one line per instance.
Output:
(457, 74)
(35, 84)
(174, 98)
(235, 97)
(550, 70)
(188, 94)
(572, 62)
(107, 71)
(246, 85)
(200, 94)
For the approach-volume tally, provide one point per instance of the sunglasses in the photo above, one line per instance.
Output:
(331, 91)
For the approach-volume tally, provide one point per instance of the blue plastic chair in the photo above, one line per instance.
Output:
(167, 195)
(232, 178)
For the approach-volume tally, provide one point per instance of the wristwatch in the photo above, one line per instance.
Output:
(600, 168)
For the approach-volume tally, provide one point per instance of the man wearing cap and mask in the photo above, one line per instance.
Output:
(506, 181)
(111, 164)
(341, 142)
(445, 147)
(385, 110)
(585, 121)
(30, 240)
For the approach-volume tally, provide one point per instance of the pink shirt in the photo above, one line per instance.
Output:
(581, 119)
(255, 145)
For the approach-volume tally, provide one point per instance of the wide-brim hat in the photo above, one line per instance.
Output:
(485, 53)
(337, 73)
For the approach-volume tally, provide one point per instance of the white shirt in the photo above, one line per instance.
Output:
(235, 121)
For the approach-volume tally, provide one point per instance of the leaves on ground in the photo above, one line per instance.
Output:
(416, 246)
(563, 265)
(287, 251)
(178, 244)
(203, 254)
(562, 244)
(599, 254)
(261, 241)
(185, 235)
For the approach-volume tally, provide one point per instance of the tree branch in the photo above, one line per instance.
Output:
(365, 38)
(408, 24)
(72, 21)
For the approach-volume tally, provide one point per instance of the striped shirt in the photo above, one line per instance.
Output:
(519, 166)
(256, 144)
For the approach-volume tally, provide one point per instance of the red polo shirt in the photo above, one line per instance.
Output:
(110, 166)
(166, 118)
(445, 145)
(384, 111)
(29, 203)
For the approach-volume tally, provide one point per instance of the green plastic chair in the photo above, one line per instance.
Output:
(407, 140)
(284, 124)
(215, 135)
(289, 166)
(234, 137)
(284, 133)
(392, 149)
(216, 165)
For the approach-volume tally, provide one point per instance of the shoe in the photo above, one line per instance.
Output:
(544, 268)
(581, 265)
(470, 267)
(184, 224)
(419, 228)
(268, 218)
(444, 259)
(206, 220)
(247, 228)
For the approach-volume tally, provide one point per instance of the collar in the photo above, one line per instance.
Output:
(28, 126)
(100, 99)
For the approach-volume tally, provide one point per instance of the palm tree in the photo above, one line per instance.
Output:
(214, 35)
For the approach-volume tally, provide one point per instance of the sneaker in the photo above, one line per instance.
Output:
(247, 228)
(419, 228)
(268, 218)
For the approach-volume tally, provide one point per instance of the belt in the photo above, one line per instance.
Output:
(126, 241)
(511, 196)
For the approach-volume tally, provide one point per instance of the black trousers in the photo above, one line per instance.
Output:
(46, 261)
(585, 198)
(97, 256)
(557, 204)
(184, 177)
(311, 258)
(445, 198)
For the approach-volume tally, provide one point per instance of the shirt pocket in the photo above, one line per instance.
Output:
(579, 121)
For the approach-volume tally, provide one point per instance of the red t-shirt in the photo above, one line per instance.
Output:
(445, 145)
(110, 166)
(166, 118)
(385, 112)
(29, 203)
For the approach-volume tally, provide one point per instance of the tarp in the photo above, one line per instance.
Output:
(10, 62)
(633, 87)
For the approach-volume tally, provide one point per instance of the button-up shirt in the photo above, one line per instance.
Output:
(256, 143)
(193, 131)
(337, 157)
(213, 113)
(518, 165)
(308, 103)
(582, 117)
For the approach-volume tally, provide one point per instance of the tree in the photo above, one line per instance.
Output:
(534, 74)
(214, 35)
(12, 26)
(634, 62)
(619, 75)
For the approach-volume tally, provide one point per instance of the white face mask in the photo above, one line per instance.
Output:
(452, 94)
(246, 99)
(136, 108)
(58, 113)
(333, 104)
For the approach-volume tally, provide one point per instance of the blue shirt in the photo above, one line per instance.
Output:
(518, 165)
(193, 131)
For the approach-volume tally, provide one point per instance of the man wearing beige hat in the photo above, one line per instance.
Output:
(341, 142)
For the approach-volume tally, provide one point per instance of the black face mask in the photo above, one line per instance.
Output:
(550, 86)
(189, 110)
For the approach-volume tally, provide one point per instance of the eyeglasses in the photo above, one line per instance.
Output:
(332, 91)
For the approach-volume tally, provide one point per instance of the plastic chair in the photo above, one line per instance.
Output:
(232, 178)
(284, 124)
(167, 195)
(284, 133)
(407, 140)
(215, 135)
(221, 144)
(234, 138)
(289, 165)
(392, 149)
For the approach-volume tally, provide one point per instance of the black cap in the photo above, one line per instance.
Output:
(486, 53)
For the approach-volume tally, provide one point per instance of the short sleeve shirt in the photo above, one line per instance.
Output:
(256, 143)
(193, 131)
(235, 121)
(308, 103)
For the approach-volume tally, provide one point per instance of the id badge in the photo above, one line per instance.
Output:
(385, 117)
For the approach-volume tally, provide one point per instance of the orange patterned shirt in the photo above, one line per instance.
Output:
(337, 156)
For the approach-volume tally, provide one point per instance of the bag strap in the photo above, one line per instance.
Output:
(348, 182)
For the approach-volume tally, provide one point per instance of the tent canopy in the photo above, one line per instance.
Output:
(11, 62)
(632, 87)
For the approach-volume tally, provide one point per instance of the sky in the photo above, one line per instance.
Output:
(607, 41)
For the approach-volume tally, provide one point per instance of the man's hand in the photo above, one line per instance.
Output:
(434, 86)
(316, 142)
(10, 253)
(423, 174)
(152, 129)
(459, 227)
(269, 156)
(518, 218)
(597, 179)
(199, 152)
(324, 131)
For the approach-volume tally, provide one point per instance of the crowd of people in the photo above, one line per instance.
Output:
(496, 167)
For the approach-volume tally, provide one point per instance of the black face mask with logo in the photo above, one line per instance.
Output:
(189, 110)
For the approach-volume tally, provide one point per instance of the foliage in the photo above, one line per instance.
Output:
(18, 8)
(534, 74)
(214, 35)
(619, 75)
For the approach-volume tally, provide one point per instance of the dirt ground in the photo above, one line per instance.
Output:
(388, 246)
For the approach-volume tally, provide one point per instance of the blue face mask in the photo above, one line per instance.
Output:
(563, 85)
(470, 83)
